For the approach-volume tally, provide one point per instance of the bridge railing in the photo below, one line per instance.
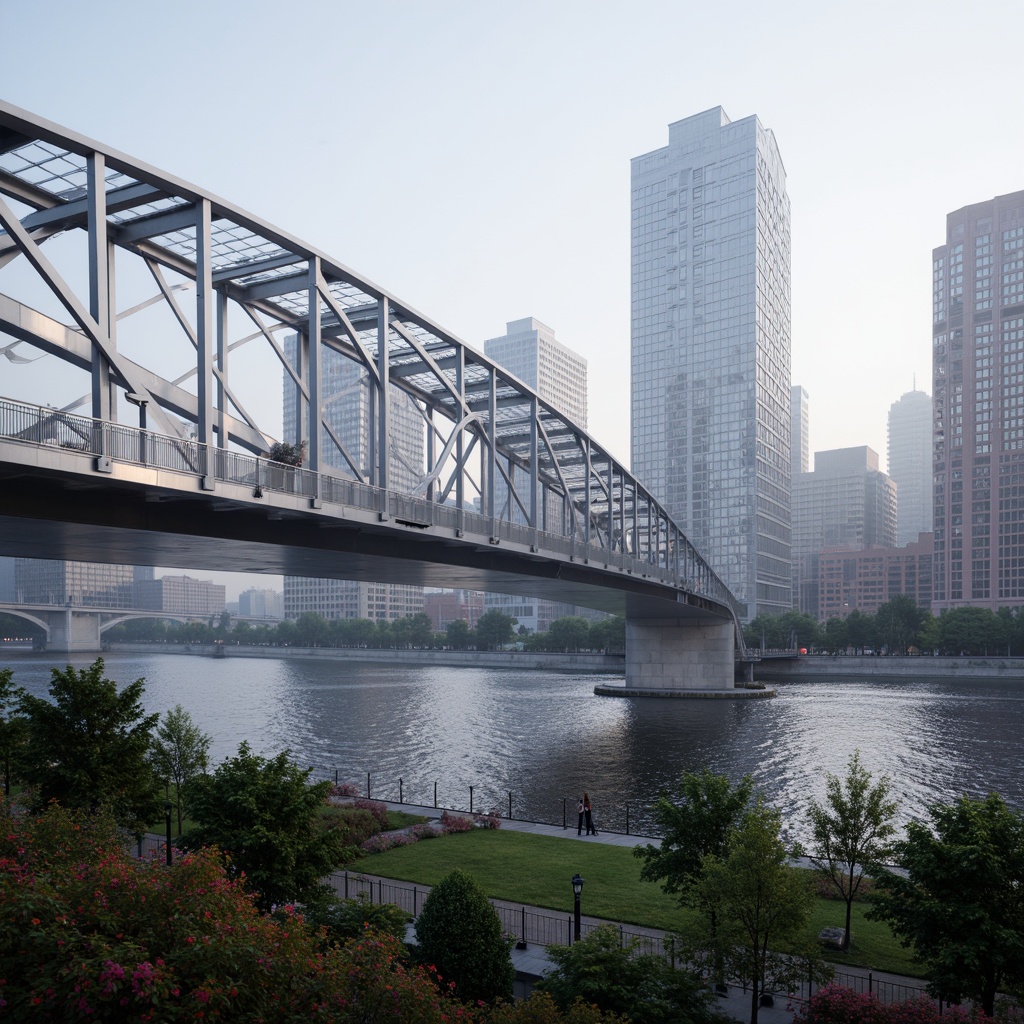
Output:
(38, 425)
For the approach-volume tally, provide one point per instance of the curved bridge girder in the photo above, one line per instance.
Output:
(493, 446)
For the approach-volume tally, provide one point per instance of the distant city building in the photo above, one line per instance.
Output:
(346, 401)
(800, 430)
(864, 580)
(978, 400)
(80, 584)
(711, 347)
(845, 503)
(445, 606)
(800, 456)
(180, 595)
(259, 603)
(528, 350)
(910, 464)
(7, 590)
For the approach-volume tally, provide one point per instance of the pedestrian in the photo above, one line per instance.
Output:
(588, 814)
(579, 824)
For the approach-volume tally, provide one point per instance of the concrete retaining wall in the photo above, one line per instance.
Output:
(871, 667)
(613, 664)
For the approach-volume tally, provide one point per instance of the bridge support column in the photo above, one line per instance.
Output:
(679, 654)
(73, 631)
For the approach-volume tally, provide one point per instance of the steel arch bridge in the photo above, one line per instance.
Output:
(81, 225)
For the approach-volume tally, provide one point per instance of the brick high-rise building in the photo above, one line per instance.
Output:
(978, 402)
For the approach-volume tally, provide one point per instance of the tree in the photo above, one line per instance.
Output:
(13, 726)
(860, 630)
(752, 906)
(90, 746)
(961, 903)
(898, 623)
(975, 631)
(287, 454)
(458, 634)
(835, 636)
(608, 634)
(312, 630)
(459, 933)
(695, 821)
(602, 970)
(493, 629)
(117, 939)
(180, 753)
(852, 830)
(265, 818)
(421, 630)
(569, 633)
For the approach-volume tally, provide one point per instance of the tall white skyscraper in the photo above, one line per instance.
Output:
(800, 430)
(346, 398)
(910, 464)
(711, 347)
(529, 350)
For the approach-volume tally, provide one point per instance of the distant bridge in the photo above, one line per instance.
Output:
(513, 496)
(76, 627)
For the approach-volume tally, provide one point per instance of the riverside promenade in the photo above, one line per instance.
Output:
(538, 927)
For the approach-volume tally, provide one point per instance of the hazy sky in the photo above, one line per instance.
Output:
(474, 158)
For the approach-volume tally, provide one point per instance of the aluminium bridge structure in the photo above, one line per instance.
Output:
(154, 445)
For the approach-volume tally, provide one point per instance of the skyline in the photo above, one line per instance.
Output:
(476, 161)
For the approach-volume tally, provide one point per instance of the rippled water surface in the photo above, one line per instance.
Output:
(545, 736)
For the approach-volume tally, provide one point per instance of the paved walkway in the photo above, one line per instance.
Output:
(534, 961)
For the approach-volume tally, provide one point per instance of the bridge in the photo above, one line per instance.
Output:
(68, 628)
(164, 458)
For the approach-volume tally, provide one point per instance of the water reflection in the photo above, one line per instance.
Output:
(544, 736)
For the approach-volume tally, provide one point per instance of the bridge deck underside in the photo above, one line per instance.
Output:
(50, 514)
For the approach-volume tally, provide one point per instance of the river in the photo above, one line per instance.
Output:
(545, 736)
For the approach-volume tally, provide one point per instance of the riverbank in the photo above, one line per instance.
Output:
(609, 664)
(820, 667)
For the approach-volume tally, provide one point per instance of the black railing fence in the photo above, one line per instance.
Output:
(615, 817)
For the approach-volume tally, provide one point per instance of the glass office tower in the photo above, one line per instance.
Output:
(711, 347)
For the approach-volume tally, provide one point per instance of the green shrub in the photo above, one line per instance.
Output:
(351, 919)
(459, 934)
(613, 976)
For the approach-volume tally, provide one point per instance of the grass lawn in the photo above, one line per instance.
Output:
(536, 870)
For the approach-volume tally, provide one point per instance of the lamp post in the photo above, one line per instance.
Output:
(577, 889)
(167, 822)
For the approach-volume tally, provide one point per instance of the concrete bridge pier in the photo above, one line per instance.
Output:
(680, 654)
(73, 631)
(680, 657)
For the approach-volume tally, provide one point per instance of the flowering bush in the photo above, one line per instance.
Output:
(375, 807)
(490, 820)
(355, 824)
(88, 933)
(424, 831)
(378, 843)
(834, 1004)
(344, 790)
(452, 823)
